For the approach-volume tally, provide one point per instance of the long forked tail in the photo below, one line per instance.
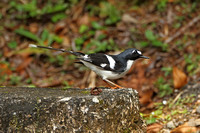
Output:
(51, 48)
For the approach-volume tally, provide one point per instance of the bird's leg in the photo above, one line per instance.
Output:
(107, 84)
(115, 85)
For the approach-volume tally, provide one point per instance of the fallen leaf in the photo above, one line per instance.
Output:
(59, 27)
(4, 69)
(25, 63)
(66, 41)
(154, 128)
(129, 19)
(185, 128)
(179, 78)
(73, 27)
(85, 19)
(166, 30)
(33, 27)
(146, 96)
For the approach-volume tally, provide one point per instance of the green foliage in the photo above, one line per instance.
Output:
(83, 29)
(192, 63)
(28, 81)
(12, 44)
(163, 86)
(31, 9)
(1, 16)
(3, 78)
(153, 39)
(79, 42)
(58, 59)
(150, 35)
(178, 108)
(151, 120)
(98, 44)
(177, 25)
(167, 70)
(109, 12)
(58, 17)
(101, 37)
(96, 25)
(27, 34)
(15, 80)
(105, 10)
(161, 5)
(66, 85)
(44, 36)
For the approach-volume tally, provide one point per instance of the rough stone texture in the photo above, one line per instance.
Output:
(72, 110)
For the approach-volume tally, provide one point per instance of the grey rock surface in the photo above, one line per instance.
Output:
(72, 110)
(171, 125)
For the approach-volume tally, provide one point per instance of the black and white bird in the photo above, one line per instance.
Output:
(104, 65)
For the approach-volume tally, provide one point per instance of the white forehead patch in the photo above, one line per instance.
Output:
(133, 51)
(103, 65)
(139, 52)
(85, 56)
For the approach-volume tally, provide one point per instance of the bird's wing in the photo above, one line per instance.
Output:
(104, 62)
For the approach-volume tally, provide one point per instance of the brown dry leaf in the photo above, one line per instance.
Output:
(129, 19)
(73, 27)
(185, 128)
(48, 83)
(59, 27)
(146, 96)
(25, 63)
(179, 78)
(33, 27)
(66, 41)
(154, 128)
(166, 30)
(4, 69)
(85, 19)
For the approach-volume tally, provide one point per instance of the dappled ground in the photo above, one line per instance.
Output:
(165, 30)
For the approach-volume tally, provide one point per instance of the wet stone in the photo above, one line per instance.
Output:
(71, 110)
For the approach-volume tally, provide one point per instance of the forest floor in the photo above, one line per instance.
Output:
(166, 31)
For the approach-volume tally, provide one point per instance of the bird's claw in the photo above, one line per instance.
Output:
(116, 87)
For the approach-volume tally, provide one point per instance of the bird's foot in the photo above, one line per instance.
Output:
(116, 87)
(95, 91)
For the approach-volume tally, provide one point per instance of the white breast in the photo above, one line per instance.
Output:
(129, 64)
(108, 74)
(128, 67)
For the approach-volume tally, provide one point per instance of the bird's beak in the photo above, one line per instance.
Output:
(142, 56)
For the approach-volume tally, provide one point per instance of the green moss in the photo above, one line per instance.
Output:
(101, 102)
(85, 92)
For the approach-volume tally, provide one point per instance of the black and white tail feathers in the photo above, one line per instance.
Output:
(62, 50)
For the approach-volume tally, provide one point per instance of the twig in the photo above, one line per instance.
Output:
(182, 30)
(92, 79)
(177, 97)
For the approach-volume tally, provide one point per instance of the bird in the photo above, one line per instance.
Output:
(108, 67)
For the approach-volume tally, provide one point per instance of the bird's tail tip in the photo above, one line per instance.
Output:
(32, 46)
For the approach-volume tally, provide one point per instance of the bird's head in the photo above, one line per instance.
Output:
(133, 54)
